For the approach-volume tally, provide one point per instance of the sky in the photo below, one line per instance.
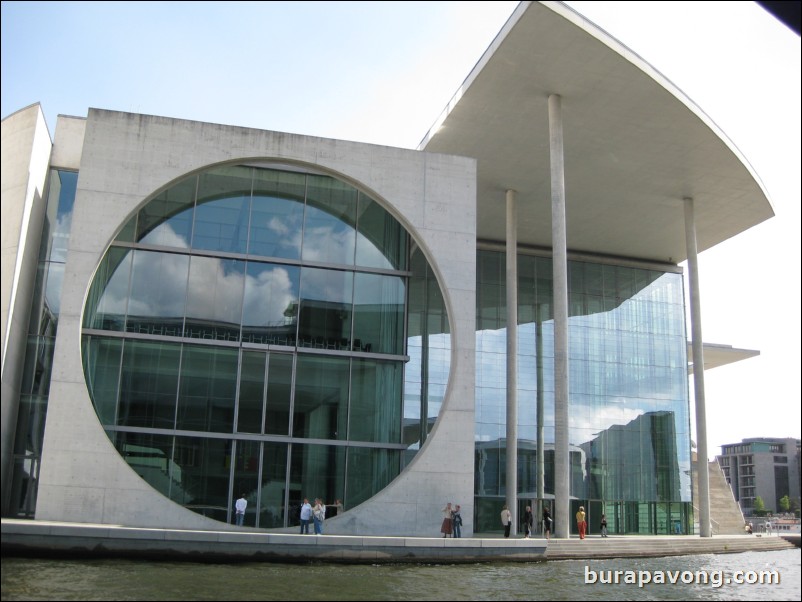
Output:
(382, 72)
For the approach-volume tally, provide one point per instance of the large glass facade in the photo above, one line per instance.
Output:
(45, 309)
(269, 332)
(629, 426)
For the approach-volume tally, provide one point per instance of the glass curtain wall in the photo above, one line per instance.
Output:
(629, 423)
(429, 349)
(45, 308)
(248, 333)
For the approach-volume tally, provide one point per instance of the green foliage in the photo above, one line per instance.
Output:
(759, 507)
(785, 503)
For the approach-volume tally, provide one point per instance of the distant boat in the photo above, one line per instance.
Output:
(785, 526)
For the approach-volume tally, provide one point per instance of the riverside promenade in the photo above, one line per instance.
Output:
(44, 538)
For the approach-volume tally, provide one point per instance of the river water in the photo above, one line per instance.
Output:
(39, 579)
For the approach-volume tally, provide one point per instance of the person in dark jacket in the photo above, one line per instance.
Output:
(529, 521)
(456, 522)
(546, 522)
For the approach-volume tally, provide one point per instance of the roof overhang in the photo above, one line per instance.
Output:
(720, 355)
(635, 145)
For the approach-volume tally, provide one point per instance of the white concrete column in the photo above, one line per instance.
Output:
(702, 473)
(541, 411)
(562, 489)
(512, 361)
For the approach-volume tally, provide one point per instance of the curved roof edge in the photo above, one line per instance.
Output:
(720, 355)
(635, 144)
(615, 44)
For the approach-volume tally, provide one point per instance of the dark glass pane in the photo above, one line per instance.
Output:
(158, 293)
(369, 471)
(108, 296)
(381, 241)
(167, 219)
(222, 213)
(38, 366)
(544, 298)
(30, 429)
(200, 475)
(274, 479)
(46, 302)
(379, 313)
(208, 389)
(526, 289)
(321, 397)
(38, 310)
(148, 384)
(491, 291)
(128, 232)
(101, 358)
(214, 298)
(279, 394)
(270, 307)
(324, 318)
(375, 401)
(151, 457)
(246, 479)
(329, 233)
(30, 432)
(316, 471)
(24, 487)
(277, 214)
(55, 278)
(251, 392)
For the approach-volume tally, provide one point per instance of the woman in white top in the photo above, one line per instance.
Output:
(506, 520)
(318, 515)
(445, 528)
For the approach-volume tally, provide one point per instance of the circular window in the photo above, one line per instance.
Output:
(265, 331)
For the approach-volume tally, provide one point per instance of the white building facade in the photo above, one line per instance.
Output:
(195, 311)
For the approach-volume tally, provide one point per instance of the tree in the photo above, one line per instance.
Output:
(785, 503)
(759, 508)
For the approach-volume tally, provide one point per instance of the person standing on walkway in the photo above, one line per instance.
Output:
(603, 525)
(239, 507)
(529, 522)
(506, 520)
(456, 520)
(448, 520)
(581, 523)
(319, 515)
(306, 514)
(546, 522)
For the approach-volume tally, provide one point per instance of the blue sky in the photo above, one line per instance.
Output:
(383, 72)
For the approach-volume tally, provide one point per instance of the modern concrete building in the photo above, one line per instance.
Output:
(762, 467)
(193, 311)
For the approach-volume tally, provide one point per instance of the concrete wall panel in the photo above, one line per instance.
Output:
(125, 160)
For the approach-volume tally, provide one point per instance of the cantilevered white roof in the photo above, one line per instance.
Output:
(635, 145)
(720, 355)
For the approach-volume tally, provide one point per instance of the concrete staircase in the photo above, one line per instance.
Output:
(725, 513)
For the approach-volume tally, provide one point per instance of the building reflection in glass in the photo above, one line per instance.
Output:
(265, 331)
(628, 378)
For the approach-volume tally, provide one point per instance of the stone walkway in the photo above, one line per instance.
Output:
(22, 537)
